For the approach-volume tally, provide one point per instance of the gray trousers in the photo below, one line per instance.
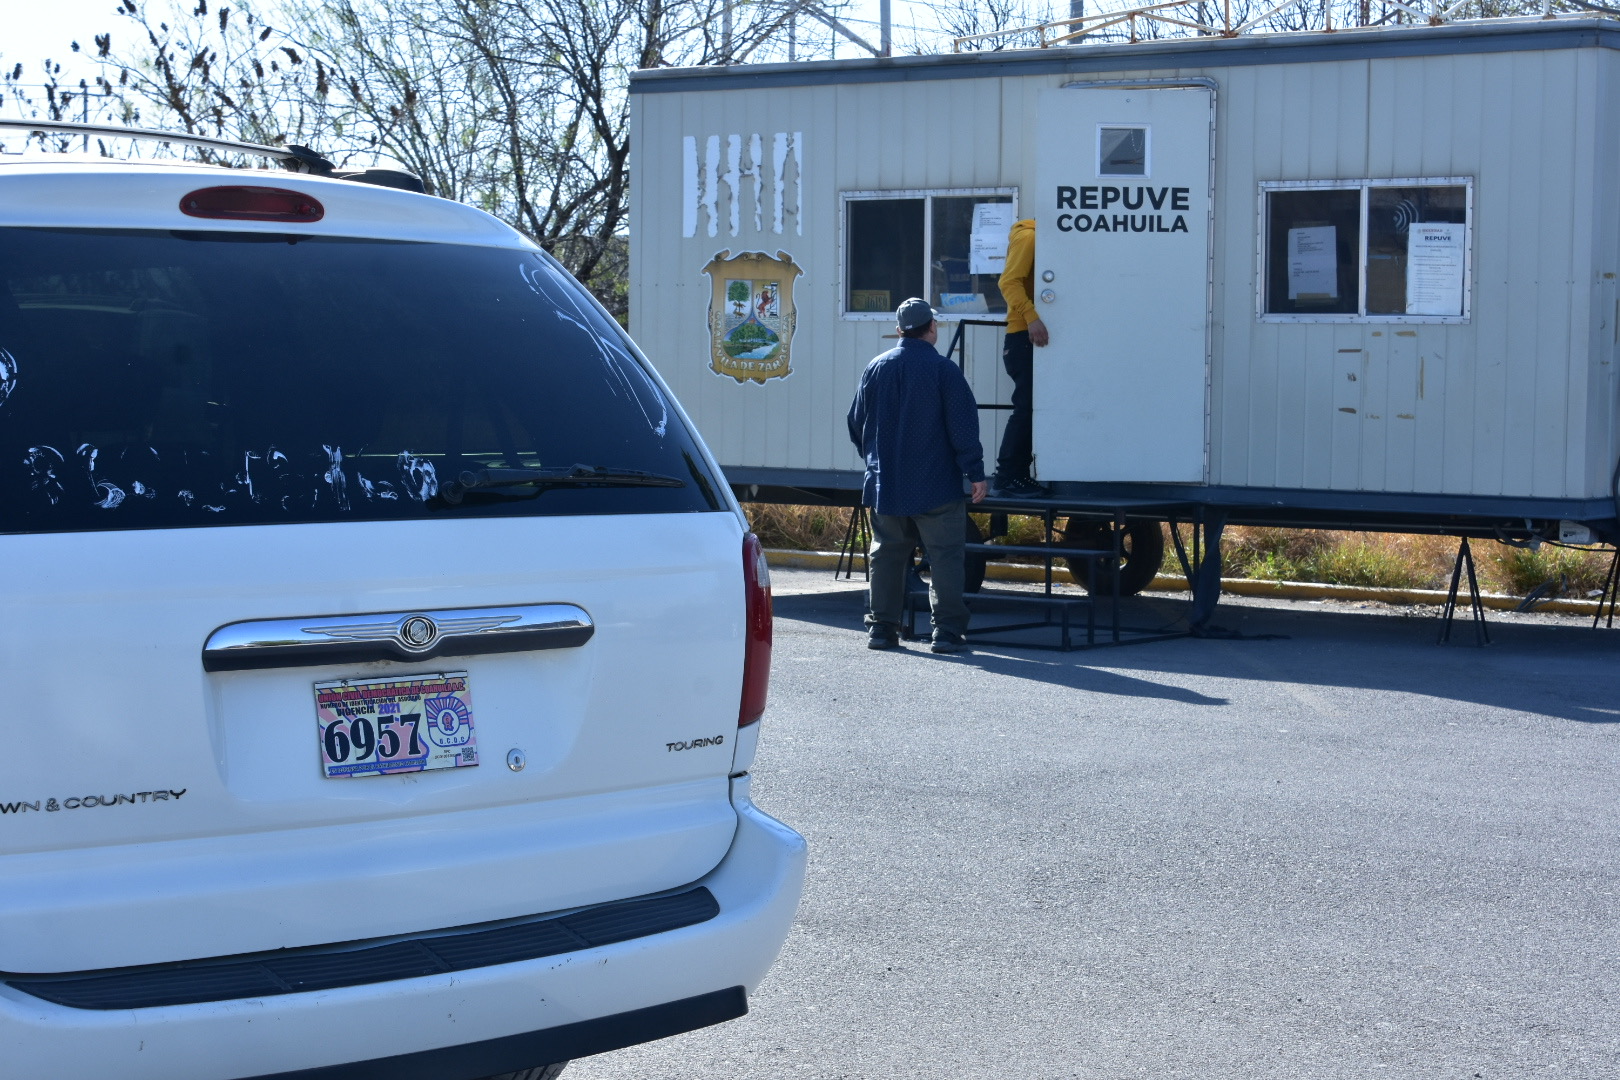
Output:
(942, 531)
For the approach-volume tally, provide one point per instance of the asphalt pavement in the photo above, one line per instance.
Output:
(1339, 852)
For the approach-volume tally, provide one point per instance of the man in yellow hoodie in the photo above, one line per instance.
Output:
(1025, 332)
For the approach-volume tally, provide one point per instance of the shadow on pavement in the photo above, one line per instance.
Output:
(1539, 665)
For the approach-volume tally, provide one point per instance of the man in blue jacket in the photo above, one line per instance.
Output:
(916, 423)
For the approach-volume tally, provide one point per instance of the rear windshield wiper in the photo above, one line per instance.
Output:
(586, 475)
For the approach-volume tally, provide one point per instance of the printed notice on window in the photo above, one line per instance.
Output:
(988, 241)
(1434, 270)
(1313, 263)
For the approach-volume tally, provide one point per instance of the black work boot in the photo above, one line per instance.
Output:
(1017, 487)
(882, 636)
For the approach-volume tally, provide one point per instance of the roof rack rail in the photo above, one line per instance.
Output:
(293, 158)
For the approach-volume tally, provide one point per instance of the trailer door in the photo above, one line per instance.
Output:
(1122, 204)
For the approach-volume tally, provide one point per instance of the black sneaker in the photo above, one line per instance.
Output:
(1021, 487)
(882, 636)
(947, 642)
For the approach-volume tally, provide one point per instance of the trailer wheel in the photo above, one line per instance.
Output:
(1142, 544)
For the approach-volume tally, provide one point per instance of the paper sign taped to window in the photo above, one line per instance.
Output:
(1434, 269)
(1313, 263)
(987, 252)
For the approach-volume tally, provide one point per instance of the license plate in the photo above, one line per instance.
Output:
(370, 727)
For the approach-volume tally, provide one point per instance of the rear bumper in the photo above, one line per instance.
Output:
(515, 1052)
(466, 1024)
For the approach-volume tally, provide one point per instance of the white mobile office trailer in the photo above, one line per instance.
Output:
(1360, 279)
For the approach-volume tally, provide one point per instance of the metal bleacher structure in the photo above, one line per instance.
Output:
(1065, 613)
(1216, 18)
(1057, 611)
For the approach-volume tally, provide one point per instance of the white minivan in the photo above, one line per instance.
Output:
(388, 649)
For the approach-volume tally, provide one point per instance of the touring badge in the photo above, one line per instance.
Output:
(751, 315)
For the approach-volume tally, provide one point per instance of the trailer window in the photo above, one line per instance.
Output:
(1416, 237)
(1366, 250)
(1315, 256)
(946, 246)
(884, 242)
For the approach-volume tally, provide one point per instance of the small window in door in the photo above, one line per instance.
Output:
(1122, 151)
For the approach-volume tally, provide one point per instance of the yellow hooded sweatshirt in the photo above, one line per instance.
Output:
(1018, 278)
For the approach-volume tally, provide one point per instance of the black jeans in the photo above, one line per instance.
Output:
(942, 531)
(1018, 357)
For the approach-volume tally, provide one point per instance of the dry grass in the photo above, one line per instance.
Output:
(1380, 560)
(799, 528)
(1399, 560)
(822, 528)
(1377, 560)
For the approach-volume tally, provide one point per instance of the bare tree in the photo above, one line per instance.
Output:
(966, 18)
(53, 99)
(517, 106)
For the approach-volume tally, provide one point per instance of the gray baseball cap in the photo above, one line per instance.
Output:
(913, 314)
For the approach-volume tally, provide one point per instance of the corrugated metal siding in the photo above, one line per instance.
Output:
(1507, 404)
(1602, 446)
(856, 138)
(1491, 407)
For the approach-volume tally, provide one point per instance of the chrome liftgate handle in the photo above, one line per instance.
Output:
(406, 636)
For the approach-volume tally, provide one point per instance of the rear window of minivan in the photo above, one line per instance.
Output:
(164, 379)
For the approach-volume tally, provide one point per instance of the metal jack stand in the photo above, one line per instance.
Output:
(1202, 567)
(857, 545)
(1611, 590)
(1465, 557)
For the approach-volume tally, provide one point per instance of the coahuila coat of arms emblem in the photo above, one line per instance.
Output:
(751, 314)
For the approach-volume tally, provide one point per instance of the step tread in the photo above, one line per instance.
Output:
(1007, 594)
(1056, 550)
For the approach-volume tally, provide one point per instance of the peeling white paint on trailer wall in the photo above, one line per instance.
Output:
(702, 181)
(1517, 398)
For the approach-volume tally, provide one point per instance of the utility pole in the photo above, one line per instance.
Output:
(885, 41)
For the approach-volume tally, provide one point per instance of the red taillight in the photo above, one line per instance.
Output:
(242, 203)
(757, 649)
